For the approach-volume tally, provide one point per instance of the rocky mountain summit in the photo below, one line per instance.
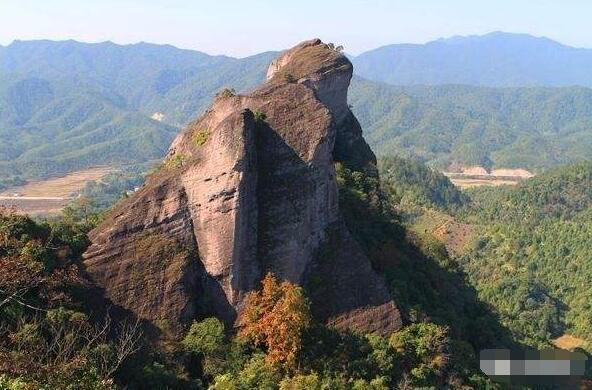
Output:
(249, 188)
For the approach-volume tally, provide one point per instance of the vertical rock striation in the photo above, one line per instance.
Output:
(246, 189)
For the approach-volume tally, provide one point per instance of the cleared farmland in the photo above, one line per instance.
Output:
(479, 176)
(49, 196)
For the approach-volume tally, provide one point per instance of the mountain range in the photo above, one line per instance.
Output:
(68, 105)
(496, 60)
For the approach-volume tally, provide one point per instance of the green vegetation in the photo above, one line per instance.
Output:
(532, 128)
(564, 194)
(259, 117)
(76, 132)
(524, 278)
(42, 313)
(410, 183)
(11, 182)
(75, 114)
(207, 340)
(424, 281)
(281, 347)
(424, 349)
(111, 188)
(226, 93)
(200, 137)
(45, 313)
(532, 257)
(286, 76)
(175, 161)
(520, 233)
(529, 256)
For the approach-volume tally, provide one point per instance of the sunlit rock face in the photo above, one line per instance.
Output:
(246, 189)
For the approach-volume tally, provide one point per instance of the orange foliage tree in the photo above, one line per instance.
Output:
(276, 317)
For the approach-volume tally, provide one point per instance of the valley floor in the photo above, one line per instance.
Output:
(50, 196)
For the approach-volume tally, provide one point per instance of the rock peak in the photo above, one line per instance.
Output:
(308, 59)
(249, 188)
(321, 67)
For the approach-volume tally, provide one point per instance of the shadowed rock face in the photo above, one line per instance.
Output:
(239, 196)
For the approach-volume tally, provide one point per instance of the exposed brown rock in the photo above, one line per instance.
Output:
(239, 196)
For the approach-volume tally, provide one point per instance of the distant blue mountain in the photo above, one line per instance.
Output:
(497, 60)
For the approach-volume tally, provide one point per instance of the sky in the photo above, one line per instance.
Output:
(242, 28)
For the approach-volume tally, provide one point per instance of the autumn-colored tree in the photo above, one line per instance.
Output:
(276, 318)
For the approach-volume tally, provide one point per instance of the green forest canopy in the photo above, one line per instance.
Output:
(529, 257)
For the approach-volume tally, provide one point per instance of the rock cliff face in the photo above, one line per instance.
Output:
(246, 189)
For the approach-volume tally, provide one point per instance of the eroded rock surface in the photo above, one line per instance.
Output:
(246, 189)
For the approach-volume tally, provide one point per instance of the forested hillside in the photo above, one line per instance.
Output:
(144, 77)
(532, 258)
(70, 105)
(529, 252)
(533, 128)
(73, 131)
(410, 182)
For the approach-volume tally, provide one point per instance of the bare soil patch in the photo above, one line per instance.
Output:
(521, 173)
(467, 183)
(34, 206)
(570, 342)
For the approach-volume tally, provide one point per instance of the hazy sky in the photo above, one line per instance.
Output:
(241, 28)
